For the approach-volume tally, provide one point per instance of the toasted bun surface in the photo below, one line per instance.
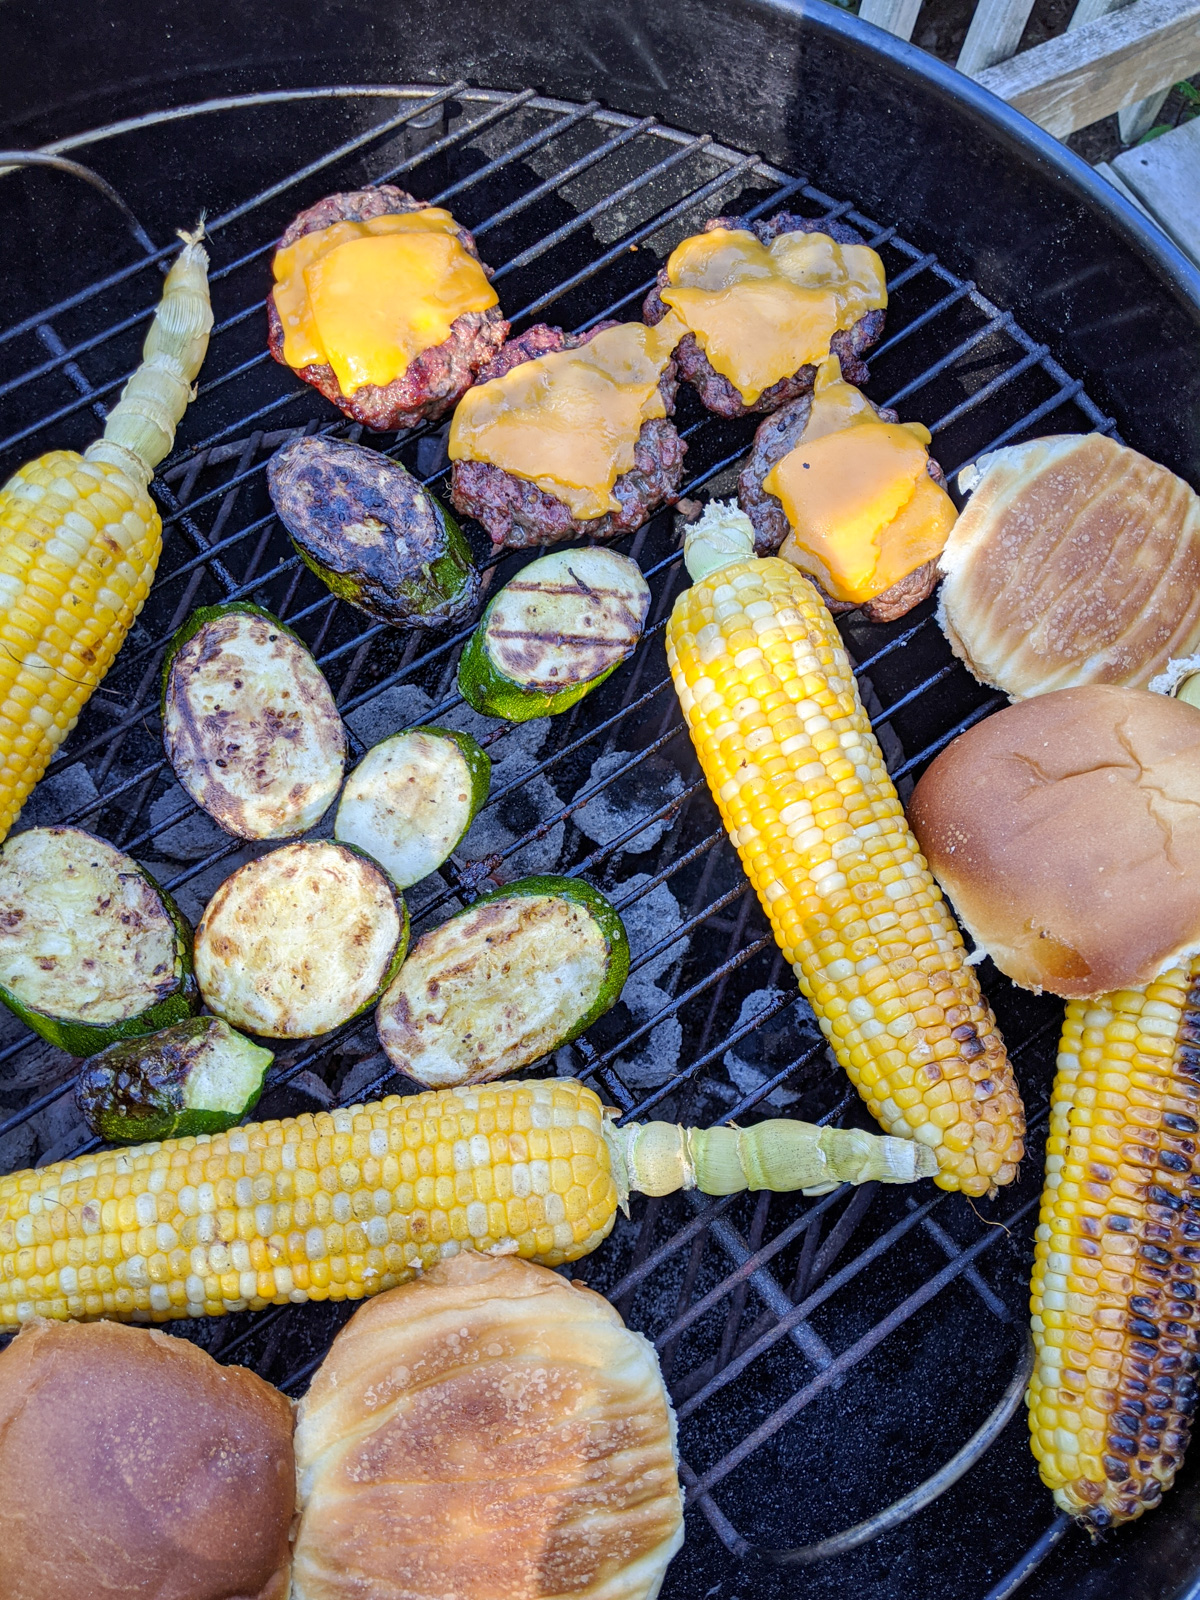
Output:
(486, 1430)
(1066, 832)
(1076, 560)
(136, 1468)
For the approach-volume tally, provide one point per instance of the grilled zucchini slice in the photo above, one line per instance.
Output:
(504, 982)
(411, 799)
(554, 633)
(198, 1076)
(91, 949)
(300, 941)
(249, 723)
(369, 530)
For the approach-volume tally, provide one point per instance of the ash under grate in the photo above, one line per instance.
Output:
(825, 1357)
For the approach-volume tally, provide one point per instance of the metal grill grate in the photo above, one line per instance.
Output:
(848, 1348)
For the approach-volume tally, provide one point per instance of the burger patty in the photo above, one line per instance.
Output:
(439, 376)
(518, 515)
(848, 344)
(775, 438)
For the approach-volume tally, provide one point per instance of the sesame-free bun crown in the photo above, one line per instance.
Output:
(1066, 832)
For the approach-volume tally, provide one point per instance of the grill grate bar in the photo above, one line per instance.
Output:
(708, 969)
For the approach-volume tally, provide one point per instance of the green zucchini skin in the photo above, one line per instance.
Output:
(581, 628)
(180, 996)
(444, 1027)
(381, 818)
(372, 533)
(149, 1088)
(250, 725)
(282, 950)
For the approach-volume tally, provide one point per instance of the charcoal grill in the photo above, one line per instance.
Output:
(847, 1371)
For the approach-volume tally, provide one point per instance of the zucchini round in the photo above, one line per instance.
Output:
(411, 799)
(300, 941)
(369, 530)
(91, 949)
(504, 982)
(198, 1076)
(554, 634)
(249, 723)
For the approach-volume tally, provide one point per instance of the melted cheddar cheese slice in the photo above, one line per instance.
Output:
(569, 421)
(856, 491)
(760, 313)
(366, 298)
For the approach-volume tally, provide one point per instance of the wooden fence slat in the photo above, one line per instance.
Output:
(895, 16)
(1137, 119)
(1165, 176)
(994, 34)
(1097, 69)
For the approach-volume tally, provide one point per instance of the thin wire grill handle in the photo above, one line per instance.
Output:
(38, 158)
(916, 1499)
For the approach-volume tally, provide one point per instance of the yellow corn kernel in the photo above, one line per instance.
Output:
(348, 1242)
(1110, 1413)
(824, 841)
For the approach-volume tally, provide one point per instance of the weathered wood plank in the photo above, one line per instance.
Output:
(1102, 66)
(1119, 184)
(994, 34)
(894, 16)
(1165, 176)
(1137, 119)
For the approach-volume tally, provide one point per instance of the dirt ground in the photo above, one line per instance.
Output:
(942, 27)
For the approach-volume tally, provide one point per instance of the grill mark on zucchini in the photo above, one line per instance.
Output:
(91, 949)
(504, 983)
(543, 643)
(262, 768)
(299, 941)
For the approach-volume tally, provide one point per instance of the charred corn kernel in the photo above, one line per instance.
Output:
(79, 542)
(280, 1249)
(773, 710)
(1117, 1257)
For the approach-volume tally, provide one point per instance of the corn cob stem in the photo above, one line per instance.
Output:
(80, 539)
(1117, 1256)
(773, 710)
(781, 1155)
(345, 1203)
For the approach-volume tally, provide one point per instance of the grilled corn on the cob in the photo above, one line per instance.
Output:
(344, 1203)
(1118, 1252)
(771, 703)
(79, 542)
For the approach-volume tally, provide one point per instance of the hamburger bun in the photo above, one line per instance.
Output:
(1066, 832)
(136, 1468)
(1076, 560)
(488, 1429)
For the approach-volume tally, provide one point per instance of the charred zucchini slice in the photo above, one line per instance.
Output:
(504, 982)
(412, 798)
(554, 633)
(249, 723)
(369, 530)
(300, 941)
(91, 949)
(198, 1076)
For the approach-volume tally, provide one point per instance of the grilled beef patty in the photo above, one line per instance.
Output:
(440, 375)
(848, 344)
(519, 515)
(774, 439)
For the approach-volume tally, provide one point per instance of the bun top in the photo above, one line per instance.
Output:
(137, 1468)
(488, 1429)
(1076, 560)
(1066, 832)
